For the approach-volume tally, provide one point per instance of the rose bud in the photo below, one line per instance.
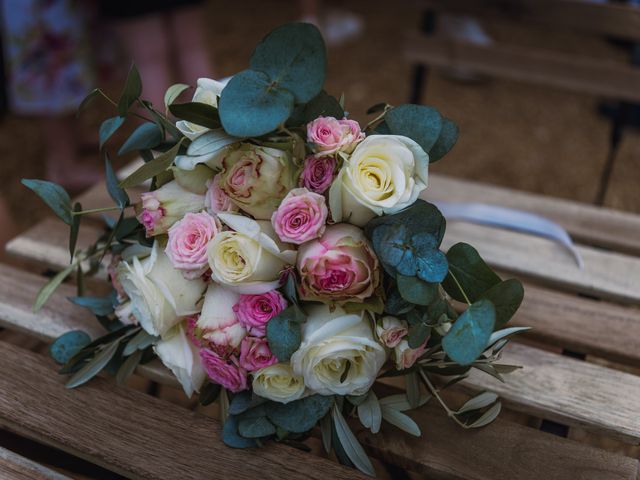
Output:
(301, 216)
(329, 135)
(255, 311)
(255, 354)
(317, 173)
(405, 356)
(391, 330)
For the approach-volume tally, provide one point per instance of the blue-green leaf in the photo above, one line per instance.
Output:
(251, 106)
(146, 136)
(300, 415)
(199, 113)
(108, 128)
(231, 436)
(115, 192)
(294, 58)
(131, 91)
(152, 168)
(506, 297)
(322, 105)
(102, 306)
(416, 291)
(471, 272)
(284, 334)
(447, 139)
(420, 123)
(470, 333)
(75, 229)
(67, 345)
(53, 195)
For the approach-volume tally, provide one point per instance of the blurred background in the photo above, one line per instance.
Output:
(543, 90)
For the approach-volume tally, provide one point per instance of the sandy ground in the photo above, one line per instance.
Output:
(513, 134)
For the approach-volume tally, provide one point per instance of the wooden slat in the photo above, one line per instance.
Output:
(569, 391)
(602, 227)
(606, 275)
(134, 434)
(610, 19)
(582, 74)
(17, 467)
(435, 455)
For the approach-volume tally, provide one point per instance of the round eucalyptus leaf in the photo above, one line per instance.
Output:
(418, 122)
(294, 57)
(447, 139)
(284, 334)
(67, 345)
(300, 415)
(470, 333)
(232, 438)
(416, 291)
(251, 105)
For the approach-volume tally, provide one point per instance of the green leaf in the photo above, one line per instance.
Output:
(150, 169)
(505, 332)
(395, 304)
(232, 438)
(416, 291)
(420, 218)
(93, 366)
(146, 136)
(139, 341)
(326, 431)
(350, 444)
(251, 106)
(420, 123)
(115, 192)
(209, 393)
(108, 128)
(294, 58)
(67, 345)
(378, 107)
(401, 403)
(470, 333)
(446, 140)
(300, 415)
(488, 416)
(96, 92)
(75, 229)
(478, 402)
(418, 334)
(173, 92)
(199, 113)
(102, 306)
(243, 401)
(128, 367)
(412, 383)
(322, 105)
(506, 297)
(284, 334)
(54, 196)
(48, 288)
(473, 274)
(369, 412)
(400, 420)
(131, 91)
(255, 427)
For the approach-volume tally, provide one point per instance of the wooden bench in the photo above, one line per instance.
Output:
(580, 395)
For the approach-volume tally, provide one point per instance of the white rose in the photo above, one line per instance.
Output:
(338, 353)
(207, 91)
(218, 321)
(278, 383)
(384, 175)
(249, 259)
(181, 357)
(159, 293)
(391, 330)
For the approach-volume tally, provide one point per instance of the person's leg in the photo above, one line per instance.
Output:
(190, 44)
(146, 41)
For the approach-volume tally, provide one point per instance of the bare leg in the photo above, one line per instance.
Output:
(146, 40)
(189, 43)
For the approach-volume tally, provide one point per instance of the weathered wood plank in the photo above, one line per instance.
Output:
(17, 467)
(134, 434)
(578, 73)
(569, 391)
(610, 19)
(606, 275)
(588, 224)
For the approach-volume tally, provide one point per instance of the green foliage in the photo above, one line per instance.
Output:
(255, 427)
(115, 192)
(146, 136)
(470, 333)
(54, 196)
(416, 291)
(108, 128)
(67, 345)
(209, 393)
(243, 401)
(197, 112)
(418, 122)
(284, 333)
(506, 297)
(420, 218)
(446, 140)
(396, 304)
(74, 230)
(93, 366)
(131, 91)
(300, 415)
(400, 420)
(418, 334)
(369, 412)
(471, 273)
(322, 105)
(150, 169)
(232, 438)
(138, 342)
(98, 305)
(173, 92)
(349, 445)
(48, 288)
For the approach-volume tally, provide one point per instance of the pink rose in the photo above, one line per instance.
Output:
(255, 354)
(391, 331)
(188, 240)
(215, 200)
(224, 372)
(300, 217)
(330, 135)
(339, 267)
(405, 356)
(317, 173)
(255, 311)
(163, 207)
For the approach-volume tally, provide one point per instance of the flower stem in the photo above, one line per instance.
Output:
(459, 287)
(434, 392)
(97, 210)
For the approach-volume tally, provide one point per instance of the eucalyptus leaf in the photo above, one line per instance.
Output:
(131, 91)
(232, 438)
(420, 123)
(418, 334)
(504, 333)
(243, 401)
(93, 366)
(128, 367)
(115, 192)
(102, 306)
(146, 136)
(67, 345)
(488, 416)
(325, 430)
(173, 92)
(470, 333)
(139, 341)
(86, 101)
(446, 140)
(284, 334)
(199, 113)
(378, 107)
(395, 304)
(48, 288)
(400, 420)
(151, 169)
(108, 128)
(74, 230)
(322, 105)
(412, 384)
(401, 403)
(471, 272)
(300, 415)
(54, 196)
(507, 297)
(369, 412)
(255, 427)
(481, 400)
(416, 291)
(350, 445)
(209, 393)
(489, 369)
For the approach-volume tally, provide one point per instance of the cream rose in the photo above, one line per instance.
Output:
(181, 357)
(218, 322)
(207, 91)
(158, 292)
(278, 383)
(338, 353)
(384, 175)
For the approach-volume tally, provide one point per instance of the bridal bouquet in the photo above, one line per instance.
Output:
(282, 259)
